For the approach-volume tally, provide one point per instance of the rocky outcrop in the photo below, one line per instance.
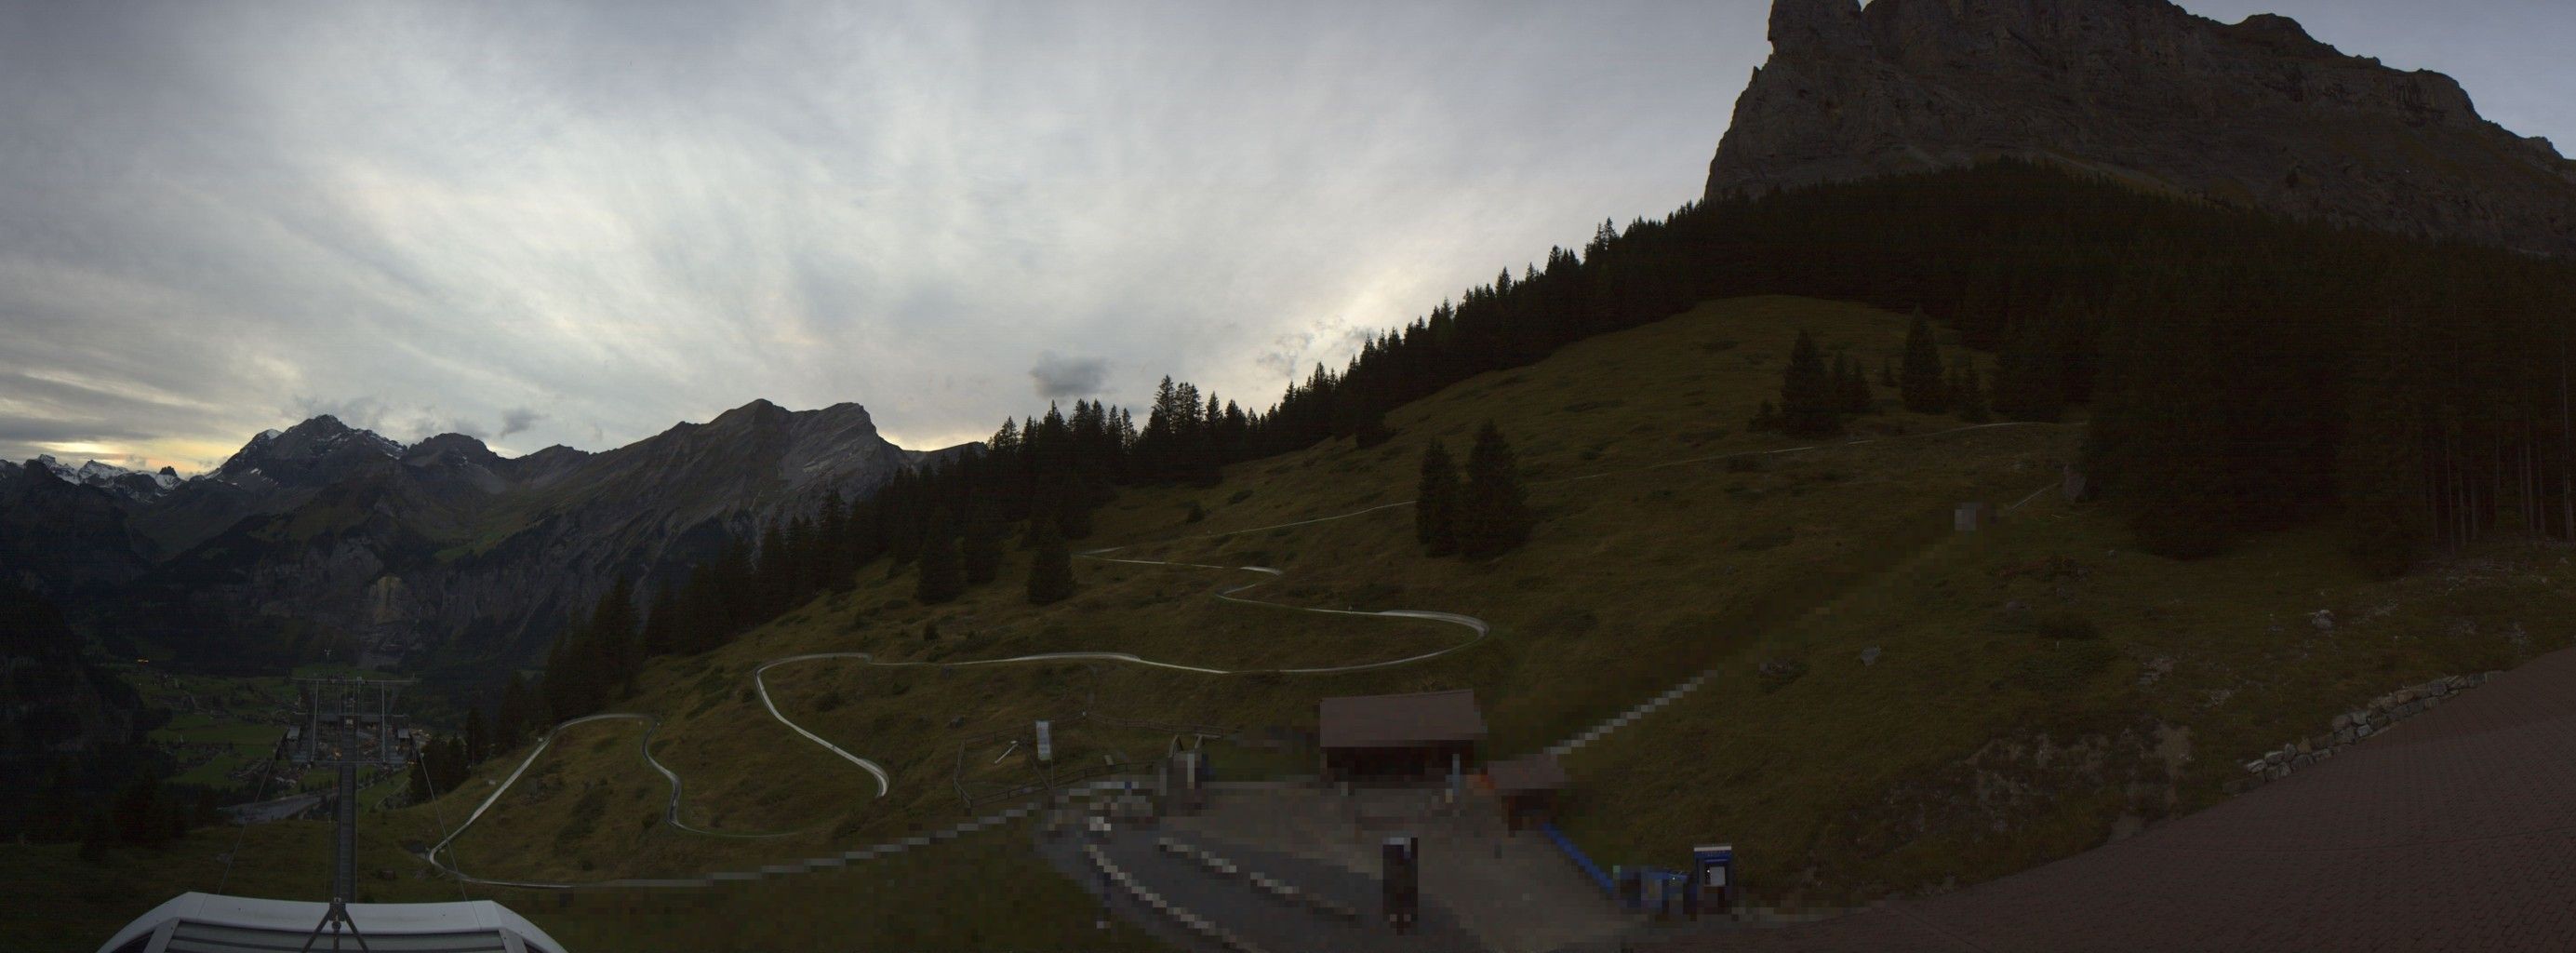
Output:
(2352, 727)
(2255, 113)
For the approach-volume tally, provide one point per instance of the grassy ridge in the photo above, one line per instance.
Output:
(1846, 780)
(1637, 578)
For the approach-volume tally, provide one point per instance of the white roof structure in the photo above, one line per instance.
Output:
(212, 923)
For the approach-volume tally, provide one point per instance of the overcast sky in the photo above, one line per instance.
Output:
(552, 223)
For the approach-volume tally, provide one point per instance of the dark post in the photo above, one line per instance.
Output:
(344, 853)
(1401, 856)
(348, 722)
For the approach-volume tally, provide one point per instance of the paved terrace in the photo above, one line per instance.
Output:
(2453, 830)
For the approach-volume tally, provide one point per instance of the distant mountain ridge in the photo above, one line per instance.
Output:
(2255, 113)
(438, 550)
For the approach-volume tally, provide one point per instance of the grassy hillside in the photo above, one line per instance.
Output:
(1642, 572)
(1989, 734)
(1993, 733)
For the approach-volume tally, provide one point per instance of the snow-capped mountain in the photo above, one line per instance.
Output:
(317, 451)
(420, 550)
(131, 484)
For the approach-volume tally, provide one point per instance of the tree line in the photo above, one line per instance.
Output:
(2246, 372)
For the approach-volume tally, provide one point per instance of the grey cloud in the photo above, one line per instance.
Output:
(517, 420)
(1059, 377)
(226, 218)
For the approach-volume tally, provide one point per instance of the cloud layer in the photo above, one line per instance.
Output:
(582, 223)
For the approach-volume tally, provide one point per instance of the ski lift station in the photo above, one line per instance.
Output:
(213, 923)
(347, 723)
(1417, 737)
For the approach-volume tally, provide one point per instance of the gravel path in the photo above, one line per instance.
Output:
(1268, 922)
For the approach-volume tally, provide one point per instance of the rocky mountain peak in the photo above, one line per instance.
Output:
(2256, 113)
(759, 412)
(450, 448)
(1817, 28)
(317, 451)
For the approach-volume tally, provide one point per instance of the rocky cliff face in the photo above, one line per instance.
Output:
(439, 550)
(2255, 113)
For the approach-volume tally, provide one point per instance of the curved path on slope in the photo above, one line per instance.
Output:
(884, 780)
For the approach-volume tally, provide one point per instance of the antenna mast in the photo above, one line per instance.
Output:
(348, 722)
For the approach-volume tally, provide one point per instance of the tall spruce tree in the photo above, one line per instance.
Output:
(943, 569)
(1808, 402)
(478, 740)
(1922, 384)
(2384, 511)
(660, 635)
(1435, 504)
(981, 547)
(613, 637)
(1050, 565)
(1493, 511)
(1969, 394)
(510, 720)
(1851, 388)
(2028, 382)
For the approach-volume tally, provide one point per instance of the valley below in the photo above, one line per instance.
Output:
(1885, 705)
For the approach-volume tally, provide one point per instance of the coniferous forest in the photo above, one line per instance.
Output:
(2243, 373)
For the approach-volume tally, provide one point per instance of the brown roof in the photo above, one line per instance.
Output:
(1398, 721)
(1538, 772)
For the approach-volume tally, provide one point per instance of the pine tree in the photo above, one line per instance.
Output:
(1493, 512)
(1807, 393)
(661, 623)
(478, 741)
(2027, 383)
(98, 833)
(2378, 466)
(1051, 568)
(1435, 505)
(1922, 383)
(774, 579)
(981, 548)
(1765, 420)
(1969, 395)
(565, 675)
(141, 816)
(510, 721)
(1075, 519)
(613, 636)
(1851, 387)
(419, 784)
(943, 570)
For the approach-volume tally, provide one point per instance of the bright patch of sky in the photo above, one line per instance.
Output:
(582, 223)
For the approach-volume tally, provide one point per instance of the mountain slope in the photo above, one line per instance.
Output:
(2253, 113)
(327, 536)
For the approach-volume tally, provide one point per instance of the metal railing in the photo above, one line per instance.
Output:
(1581, 862)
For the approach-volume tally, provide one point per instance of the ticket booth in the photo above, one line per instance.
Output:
(1400, 860)
(1712, 879)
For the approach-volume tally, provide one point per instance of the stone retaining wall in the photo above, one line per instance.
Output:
(2353, 726)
